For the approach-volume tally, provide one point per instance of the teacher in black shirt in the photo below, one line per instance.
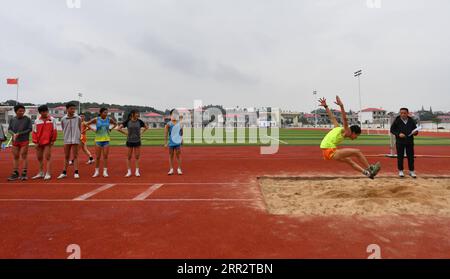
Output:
(404, 130)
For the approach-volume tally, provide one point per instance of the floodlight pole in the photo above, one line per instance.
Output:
(80, 95)
(315, 111)
(358, 75)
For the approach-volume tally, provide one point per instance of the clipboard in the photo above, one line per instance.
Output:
(418, 129)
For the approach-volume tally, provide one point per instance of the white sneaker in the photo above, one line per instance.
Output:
(179, 171)
(38, 176)
(90, 162)
(70, 163)
(62, 175)
(401, 174)
(128, 174)
(105, 173)
(170, 172)
(76, 176)
(137, 174)
(96, 173)
(47, 177)
(413, 174)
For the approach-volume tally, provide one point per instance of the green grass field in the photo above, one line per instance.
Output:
(155, 137)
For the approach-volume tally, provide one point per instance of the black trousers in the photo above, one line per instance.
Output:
(401, 155)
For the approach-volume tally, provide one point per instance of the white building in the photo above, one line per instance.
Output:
(58, 112)
(290, 118)
(269, 117)
(117, 114)
(373, 115)
(241, 117)
(7, 112)
(153, 120)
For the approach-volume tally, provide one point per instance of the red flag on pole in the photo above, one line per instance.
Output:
(12, 81)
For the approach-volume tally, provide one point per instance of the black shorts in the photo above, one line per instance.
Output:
(133, 144)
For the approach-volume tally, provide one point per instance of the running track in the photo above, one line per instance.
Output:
(214, 211)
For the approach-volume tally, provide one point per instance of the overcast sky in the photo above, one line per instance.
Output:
(168, 53)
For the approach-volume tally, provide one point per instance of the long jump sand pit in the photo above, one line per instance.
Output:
(354, 196)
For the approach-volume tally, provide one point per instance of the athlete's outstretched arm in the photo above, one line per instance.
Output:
(92, 121)
(343, 113)
(114, 123)
(323, 103)
(121, 128)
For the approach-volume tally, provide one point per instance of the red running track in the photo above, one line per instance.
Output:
(214, 211)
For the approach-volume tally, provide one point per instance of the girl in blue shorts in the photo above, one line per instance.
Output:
(102, 138)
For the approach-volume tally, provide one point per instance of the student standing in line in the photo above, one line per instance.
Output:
(83, 141)
(102, 139)
(135, 128)
(20, 128)
(173, 139)
(71, 126)
(3, 137)
(44, 136)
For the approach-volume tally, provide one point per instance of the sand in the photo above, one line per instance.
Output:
(383, 196)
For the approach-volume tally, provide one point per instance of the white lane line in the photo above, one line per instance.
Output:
(125, 200)
(95, 192)
(148, 192)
